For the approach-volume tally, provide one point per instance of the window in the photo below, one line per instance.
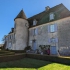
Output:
(51, 16)
(35, 31)
(31, 41)
(53, 40)
(52, 28)
(34, 22)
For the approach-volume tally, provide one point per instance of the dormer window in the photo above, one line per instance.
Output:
(34, 22)
(51, 16)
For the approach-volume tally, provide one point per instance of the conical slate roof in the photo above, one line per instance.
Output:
(21, 15)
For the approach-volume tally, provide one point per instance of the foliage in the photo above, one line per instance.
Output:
(44, 46)
(50, 58)
(28, 48)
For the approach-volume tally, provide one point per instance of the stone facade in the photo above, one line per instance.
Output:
(10, 41)
(27, 34)
(21, 33)
(62, 34)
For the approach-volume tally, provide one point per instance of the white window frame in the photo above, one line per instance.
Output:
(34, 22)
(35, 31)
(51, 16)
(52, 28)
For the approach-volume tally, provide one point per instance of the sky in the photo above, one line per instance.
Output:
(9, 9)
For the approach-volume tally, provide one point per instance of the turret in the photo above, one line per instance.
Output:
(21, 31)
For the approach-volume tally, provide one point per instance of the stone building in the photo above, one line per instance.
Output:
(49, 28)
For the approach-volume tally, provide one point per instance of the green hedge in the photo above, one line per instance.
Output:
(12, 56)
(49, 58)
(3, 52)
(17, 51)
(7, 58)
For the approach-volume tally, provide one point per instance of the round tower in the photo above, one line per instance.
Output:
(21, 31)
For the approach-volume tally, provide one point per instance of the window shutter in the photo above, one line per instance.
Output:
(56, 39)
(55, 27)
(36, 31)
(48, 28)
(49, 40)
(31, 42)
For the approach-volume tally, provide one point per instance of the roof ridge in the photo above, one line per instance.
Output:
(44, 11)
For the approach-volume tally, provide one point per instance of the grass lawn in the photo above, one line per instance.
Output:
(32, 64)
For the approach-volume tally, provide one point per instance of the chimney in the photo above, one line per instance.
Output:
(47, 8)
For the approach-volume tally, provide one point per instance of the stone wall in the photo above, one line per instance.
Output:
(10, 41)
(62, 33)
(64, 36)
(21, 33)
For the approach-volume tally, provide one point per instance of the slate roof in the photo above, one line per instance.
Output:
(21, 15)
(60, 11)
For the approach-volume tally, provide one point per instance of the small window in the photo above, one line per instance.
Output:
(35, 31)
(52, 28)
(34, 22)
(31, 41)
(53, 40)
(51, 16)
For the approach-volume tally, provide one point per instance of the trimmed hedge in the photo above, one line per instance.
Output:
(2, 53)
(18, 56)
(17, 51)
(49, 58)
(7, 58)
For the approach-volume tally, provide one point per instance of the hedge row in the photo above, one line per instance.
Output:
(49, 58)
(7, 58)
(18, 56)
(17, 51)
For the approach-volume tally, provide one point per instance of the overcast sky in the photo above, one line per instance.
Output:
(10, 8)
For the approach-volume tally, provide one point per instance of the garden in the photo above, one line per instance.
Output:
(32, 64)
(10, 60)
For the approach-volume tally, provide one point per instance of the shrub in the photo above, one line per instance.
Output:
(49, 58)
(16, 51)
(27, 48)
